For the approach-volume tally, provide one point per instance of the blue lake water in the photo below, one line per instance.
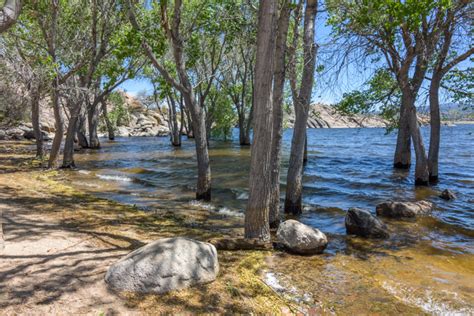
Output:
(346, 168)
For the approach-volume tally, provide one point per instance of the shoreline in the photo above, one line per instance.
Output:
(78, 228)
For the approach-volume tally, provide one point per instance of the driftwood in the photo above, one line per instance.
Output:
(228, 243)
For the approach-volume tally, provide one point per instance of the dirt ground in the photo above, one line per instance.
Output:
(59, 242)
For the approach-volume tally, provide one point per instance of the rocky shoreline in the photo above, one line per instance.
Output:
(144, 122)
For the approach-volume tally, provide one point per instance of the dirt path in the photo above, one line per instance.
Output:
(46, 268)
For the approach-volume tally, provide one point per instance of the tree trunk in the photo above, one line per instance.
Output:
(68, 155)
(35, 120)
(257, 213)
(175, 135)
(189, 124)
(203, 191)
(421, 165)
(402, 158)
(294, 185)
(81, 129)
(244, 137)
(59, 124)
(278, 86)
(435, 129)
(305, 155)
(110, 127)
(93, 120)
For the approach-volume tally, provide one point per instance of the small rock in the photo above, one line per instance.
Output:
(360, 222)
(300, 238)
(164, 265)
(448, 195)
(3, 135)
(404, 209)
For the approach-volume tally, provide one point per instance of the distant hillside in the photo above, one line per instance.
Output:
(326, 116)
(453, 112)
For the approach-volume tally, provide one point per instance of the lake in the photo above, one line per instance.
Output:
(427, 263)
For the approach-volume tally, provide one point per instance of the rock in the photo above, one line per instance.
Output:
(3, 135)
(300, 238)
(29, 134)
(447, 195)
(48, 127)
(14, 133)
(122, 131)
(164, 265)
(404, 209)
(360, 222)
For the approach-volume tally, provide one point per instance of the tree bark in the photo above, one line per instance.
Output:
(402, 158)
(68, 155)
(59, 124)
(93, 121)
(244, 137)
(257, 213)
(421, 164)
(175, 135)
(435, 129)
(110, 127)
(35, 120)
(278, 86)
(294, 187)
(9, 14)
(81, 129)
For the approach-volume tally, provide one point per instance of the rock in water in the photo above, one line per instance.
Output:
(300, 238)
(360, 222)
(404, 209)
(447, 195)
(164, 265)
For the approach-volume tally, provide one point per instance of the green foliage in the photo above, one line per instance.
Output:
(119, 114)
(381, 95)
(460, 86)
(222, 114)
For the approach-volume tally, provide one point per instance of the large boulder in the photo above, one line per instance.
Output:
(164, 265)
(300, 238)
(404, 209)
(360, 222)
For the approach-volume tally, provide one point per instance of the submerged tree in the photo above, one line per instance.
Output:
(256, 215)
(405, 34)
(179, 31)
(301, 100)
(456, 26)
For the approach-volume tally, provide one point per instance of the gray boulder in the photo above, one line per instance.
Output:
(3, 135)
(300, 238)
(360, 222)
(164, 265)
(404, 209)
(447, 195)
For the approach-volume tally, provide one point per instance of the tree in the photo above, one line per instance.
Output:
(445, 59)
(279, 73)
(170, 34)
(256, 215)
(405, 34)
(301, 101)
